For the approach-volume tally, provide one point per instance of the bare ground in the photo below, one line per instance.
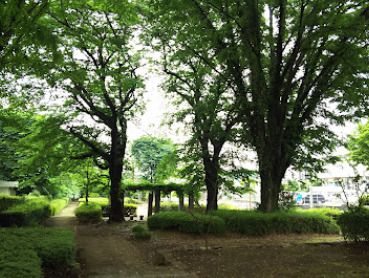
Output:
(107, 250)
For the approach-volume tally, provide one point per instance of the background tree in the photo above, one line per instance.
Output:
(295, 66)
(156, 158)
(98, 78)
(38, 153)
(358, 145)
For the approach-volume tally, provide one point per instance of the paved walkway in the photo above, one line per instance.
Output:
(107, 251)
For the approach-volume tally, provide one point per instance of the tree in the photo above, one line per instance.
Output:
(36, 151)
(358, 145)
(294, 65)
(211, 110)
(98, 78)
(155, 157)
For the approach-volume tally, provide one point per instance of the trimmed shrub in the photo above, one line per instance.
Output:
(140, 232)
(186, 222)
(90, 213)
(255, 223)
(17, 261)
(57, 205)
(32, 212)
(7, 201)
(354, 224)
(24, 250)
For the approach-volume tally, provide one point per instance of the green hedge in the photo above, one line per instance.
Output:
(186, 222)
(355, 224)
(257, 223)
(129, 208)
(57, 205)
(24, 250)
(90, 213)
(7, 201)
(32, 212)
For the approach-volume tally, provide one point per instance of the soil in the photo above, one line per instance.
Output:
(108, 250)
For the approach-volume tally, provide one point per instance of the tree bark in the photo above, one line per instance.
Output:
(181, 202)
(116, 202)
(271, 174)
(211, 182)
(191, 201)
(157, 201)
(149, 204)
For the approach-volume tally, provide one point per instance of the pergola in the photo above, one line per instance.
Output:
(155, 191)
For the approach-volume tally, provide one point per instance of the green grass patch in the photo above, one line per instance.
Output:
(185, 222)
(355, 224)
(256, 223)
(89, 213)
(23, 251)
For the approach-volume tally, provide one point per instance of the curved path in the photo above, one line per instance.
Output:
(106, 250)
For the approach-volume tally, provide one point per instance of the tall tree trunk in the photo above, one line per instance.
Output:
(271, 174)
(157, 201)
(181, 202)
(116, 202)
(149, 204)
(191, 201)
(211, 182)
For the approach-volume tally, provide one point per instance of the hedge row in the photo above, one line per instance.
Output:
(186, 222)
(355, 224)
(24, 250)
(251, 223)
(32, 212)
(257, 223)
(57, 205)
(7, 201)
(129, 208)
(89, 213)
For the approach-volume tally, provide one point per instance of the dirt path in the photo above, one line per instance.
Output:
(106, 250)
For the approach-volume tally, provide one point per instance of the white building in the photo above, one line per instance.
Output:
(8, 187)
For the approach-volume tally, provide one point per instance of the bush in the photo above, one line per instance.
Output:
(257, 223)
(90, 213)
(32, 212)
(354, 224)
(186, 222)
(57, 205)
(24, 250)
(130, 209)
(140, 232)
(7, 201)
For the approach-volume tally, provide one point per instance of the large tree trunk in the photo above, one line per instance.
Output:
(116, 202)
(271, 174)
(157, 201)
(211, 182)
